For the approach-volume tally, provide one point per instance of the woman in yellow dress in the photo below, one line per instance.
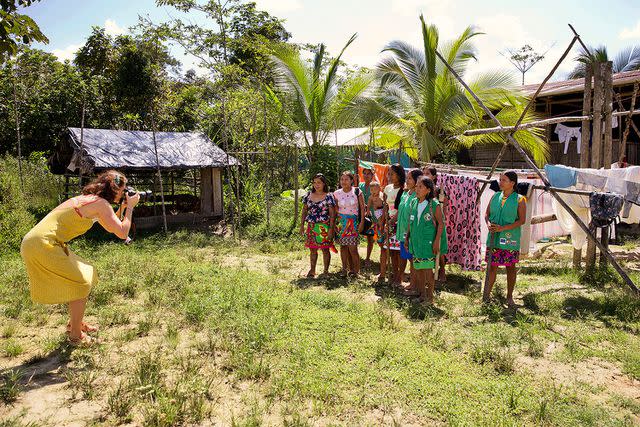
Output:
(57, 275)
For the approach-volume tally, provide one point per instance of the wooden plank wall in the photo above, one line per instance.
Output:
(211, 203)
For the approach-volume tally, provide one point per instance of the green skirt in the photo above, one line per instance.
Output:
(424, 263)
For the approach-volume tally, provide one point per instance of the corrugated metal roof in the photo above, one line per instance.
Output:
(577, 85)
(347, 137)
(105, 148)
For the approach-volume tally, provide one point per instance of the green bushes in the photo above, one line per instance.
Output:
(21, 206)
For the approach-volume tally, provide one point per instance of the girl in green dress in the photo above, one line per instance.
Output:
(424, 236)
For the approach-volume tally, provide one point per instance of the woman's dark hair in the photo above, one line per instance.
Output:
(512, 175)
(415, 174)
(434, 173)
(399, 171)
(324, 181)
(428, 182)
(106, 185)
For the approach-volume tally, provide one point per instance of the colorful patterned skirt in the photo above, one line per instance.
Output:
(347, 230)
(318, 236)
(394, 243)
(503, 257)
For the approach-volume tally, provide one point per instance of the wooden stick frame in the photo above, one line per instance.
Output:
(523, 114)
(544, 179)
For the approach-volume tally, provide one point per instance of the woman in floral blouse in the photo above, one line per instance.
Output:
(318, 212)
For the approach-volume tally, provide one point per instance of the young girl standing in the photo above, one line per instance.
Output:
(424, 233)
(318, 212)
(350, 206)
(403, 221)
(432, 173)
(392, 197)
(376, 208)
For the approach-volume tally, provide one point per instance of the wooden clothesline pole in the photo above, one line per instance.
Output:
(546, 182)
(543, 122)
(532, 100)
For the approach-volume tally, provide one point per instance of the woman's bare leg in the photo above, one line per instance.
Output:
(395, 267)
(344, 256)
(430, 285)
(383, 263)
(493, 271)
(511, 284)
(326, 260)
(313, 258)
(76, 314)
(355, 259)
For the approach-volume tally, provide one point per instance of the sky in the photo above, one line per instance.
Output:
(505, 24)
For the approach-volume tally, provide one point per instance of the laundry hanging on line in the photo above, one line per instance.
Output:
(566, 134)
(462, 220)
(380, 171)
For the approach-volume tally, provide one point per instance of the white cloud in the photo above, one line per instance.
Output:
(633, 33)
(112, 28)
(279, 6)
(66, 53)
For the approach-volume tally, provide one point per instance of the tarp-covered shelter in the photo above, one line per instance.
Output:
(190, 162)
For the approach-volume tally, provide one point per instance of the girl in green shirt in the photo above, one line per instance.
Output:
(424, 235)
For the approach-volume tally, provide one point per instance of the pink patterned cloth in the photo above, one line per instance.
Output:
(463, 220)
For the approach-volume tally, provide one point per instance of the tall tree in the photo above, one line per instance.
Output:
(421, 105)
(318, 101)
(17, 28)
(523, 59)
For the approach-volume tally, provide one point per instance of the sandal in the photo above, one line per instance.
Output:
(85, 328)
(84, 340)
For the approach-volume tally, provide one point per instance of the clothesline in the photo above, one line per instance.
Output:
(540, 123)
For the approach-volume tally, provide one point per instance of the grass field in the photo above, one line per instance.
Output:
(201, 330)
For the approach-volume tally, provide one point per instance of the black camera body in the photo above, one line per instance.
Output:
(145, 196)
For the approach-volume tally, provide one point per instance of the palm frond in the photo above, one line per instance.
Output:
(628, 59)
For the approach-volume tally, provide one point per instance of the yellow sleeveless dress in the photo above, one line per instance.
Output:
(57, 275)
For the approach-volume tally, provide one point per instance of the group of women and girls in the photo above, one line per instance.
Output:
(407, 220)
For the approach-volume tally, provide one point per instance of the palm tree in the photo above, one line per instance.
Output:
(320, 99)
(423, 106)
(628, 59)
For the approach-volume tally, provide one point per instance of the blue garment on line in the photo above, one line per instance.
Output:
(560, 176)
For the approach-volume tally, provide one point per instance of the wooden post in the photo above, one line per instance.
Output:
(598, 100)
(524, 112)
(596, 140)
(544, 179)
(622, 152)
(266, 161)
(81, 144)
(356, 165)
(607, 81)
(238, 199)
(296, 185)
(17, 117)
(585, 150)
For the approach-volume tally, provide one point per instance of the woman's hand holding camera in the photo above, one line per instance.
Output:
(131, 201)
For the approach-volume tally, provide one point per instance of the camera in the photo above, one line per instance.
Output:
(145, 196)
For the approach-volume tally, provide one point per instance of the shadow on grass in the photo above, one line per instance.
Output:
(330, 281)
(615, 309)
(459, 284)
(41, 371)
